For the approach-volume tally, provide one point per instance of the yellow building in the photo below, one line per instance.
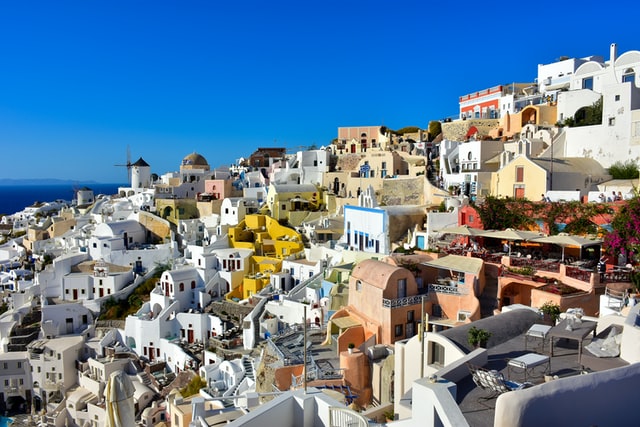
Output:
(528, 178)
(175, 210)
(271, 242)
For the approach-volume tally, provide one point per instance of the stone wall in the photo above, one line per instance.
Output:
(159, 229)
(402, 191)
(457, 130)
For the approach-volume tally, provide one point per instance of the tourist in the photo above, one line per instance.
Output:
(602, 269)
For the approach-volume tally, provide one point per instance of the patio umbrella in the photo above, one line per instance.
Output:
(563, 240)
(462, 230)
(512, 235)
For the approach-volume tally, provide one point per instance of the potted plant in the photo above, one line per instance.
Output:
(351, 347)
(478, 337)
(550, 312)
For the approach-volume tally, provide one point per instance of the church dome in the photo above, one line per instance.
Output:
(195, 161)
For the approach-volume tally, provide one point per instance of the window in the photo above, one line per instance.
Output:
(436, 354)
(612, 121)
(617, 97)
(463, 316)
(402, 288)
(358, 285)
(19, 365)
(628, 76)
(587, 83)
(410, 315)
(398, 330)
(519, 174)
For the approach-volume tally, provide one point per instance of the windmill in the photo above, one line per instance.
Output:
(128, 165)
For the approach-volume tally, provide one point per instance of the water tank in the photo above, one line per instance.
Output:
(377, 351)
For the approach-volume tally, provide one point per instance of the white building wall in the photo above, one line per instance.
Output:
(194, 322)
(366, 229)
(77, 287)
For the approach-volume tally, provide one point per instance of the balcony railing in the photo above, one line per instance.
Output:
(403, 302)
(618, 275)
(578, 273)
(448, 289)
(344, 417)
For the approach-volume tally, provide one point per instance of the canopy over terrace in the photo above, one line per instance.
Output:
(512, 235)
(458, 263)
(463, 230)
(564, 240)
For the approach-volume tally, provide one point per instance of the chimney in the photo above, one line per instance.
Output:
(613, 53)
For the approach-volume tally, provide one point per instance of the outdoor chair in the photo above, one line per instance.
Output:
(493, 381)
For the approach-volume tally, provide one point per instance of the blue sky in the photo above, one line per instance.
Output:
(82, 80)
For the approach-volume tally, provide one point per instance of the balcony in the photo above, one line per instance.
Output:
(448, 289)
(403, 302)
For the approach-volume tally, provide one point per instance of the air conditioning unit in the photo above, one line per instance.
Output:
(463, 316)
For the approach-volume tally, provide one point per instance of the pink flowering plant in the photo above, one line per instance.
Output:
(625, 235)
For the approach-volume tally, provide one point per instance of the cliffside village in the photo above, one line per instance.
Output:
(341, 285)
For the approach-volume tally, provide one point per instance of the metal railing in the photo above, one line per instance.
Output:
(403, 302)
(448, 289)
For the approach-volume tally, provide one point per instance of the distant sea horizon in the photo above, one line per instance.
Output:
(20, 194)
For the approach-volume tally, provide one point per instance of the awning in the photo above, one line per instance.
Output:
(457, 263)
(345, 322)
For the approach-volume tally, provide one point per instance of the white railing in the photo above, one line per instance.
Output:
(344, 417)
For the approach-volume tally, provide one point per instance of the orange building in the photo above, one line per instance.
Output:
(384, 305)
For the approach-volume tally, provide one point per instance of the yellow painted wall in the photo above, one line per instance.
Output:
(535, 180)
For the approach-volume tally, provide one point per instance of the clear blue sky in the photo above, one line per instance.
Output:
(82, 80)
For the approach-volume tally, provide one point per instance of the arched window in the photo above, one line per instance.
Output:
(629, 76)
(193, 284)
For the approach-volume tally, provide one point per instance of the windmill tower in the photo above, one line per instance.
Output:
(140, 174)
(128, 165)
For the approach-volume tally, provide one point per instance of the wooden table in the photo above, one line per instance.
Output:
(578, 332)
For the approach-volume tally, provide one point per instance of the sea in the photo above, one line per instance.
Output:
(14, 198)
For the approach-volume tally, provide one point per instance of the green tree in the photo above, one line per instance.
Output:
(626, 170)
(435, 129)
(193, 387)
(408, 129)
(498, 214)
(586, 116)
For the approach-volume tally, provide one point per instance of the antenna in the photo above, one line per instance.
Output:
(128, 165)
